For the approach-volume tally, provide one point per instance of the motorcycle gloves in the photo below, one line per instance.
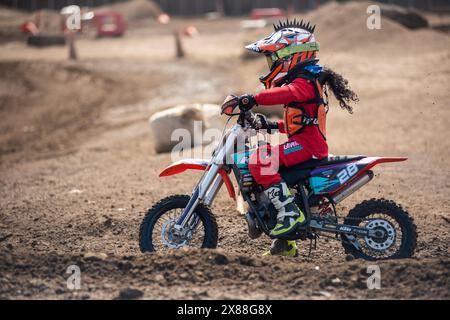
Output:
(247, 102)
(265, 124)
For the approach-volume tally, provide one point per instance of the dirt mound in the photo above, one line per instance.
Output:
(133, 10)
(439, 21)
(217, 274)
(342, 26)
(10, 22)
(411, 19)
(48, 21)
(45, 106)
(8, 15)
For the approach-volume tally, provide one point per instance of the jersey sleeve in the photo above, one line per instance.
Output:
(274, 96)
(299, 90)
(281, 127)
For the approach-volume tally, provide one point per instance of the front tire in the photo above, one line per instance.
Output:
(162, 209)
(372, 213)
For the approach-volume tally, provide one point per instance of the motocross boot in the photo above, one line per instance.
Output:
(289, 215)
(286, 248)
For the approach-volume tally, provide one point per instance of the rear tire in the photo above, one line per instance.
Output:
(176, 202)
(388, 208)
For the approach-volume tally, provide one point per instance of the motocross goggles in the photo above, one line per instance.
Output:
(304, 47)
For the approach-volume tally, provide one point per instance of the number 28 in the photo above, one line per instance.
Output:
(347, 173)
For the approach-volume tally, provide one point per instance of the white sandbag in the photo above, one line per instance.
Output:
(167, 125)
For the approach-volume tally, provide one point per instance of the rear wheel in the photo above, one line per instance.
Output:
(157, 232)
(400, 235)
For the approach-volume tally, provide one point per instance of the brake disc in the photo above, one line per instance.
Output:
(385, 242)
(169, 237)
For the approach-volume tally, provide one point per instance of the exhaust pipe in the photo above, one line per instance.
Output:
(356, 185)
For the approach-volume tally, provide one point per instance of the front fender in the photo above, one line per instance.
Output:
(197, 164)
(183, 165)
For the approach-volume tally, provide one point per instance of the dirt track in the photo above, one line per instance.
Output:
(78, 170)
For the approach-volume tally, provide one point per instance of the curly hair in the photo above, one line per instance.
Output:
(340, 88)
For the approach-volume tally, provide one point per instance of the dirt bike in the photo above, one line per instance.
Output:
(374, 229)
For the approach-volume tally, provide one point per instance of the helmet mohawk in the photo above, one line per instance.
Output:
(294, 24)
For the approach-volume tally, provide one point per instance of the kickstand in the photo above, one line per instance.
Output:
(311, 245)
(310, 248)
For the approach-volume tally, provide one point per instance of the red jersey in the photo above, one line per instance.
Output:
(297, 91)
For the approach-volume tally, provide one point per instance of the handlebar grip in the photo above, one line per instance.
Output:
(253, 120)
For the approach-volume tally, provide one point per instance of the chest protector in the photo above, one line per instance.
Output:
(296, 118)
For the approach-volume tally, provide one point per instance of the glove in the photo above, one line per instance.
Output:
(263, 123)
(246, 102)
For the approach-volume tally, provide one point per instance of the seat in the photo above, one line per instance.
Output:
(313, 163)
(291, 175)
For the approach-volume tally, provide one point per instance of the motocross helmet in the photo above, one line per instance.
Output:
(291, 44)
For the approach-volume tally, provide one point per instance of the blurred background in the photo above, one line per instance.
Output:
(231, 7)
(80, 155)
(174, 52)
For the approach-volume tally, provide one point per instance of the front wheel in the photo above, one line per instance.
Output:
(157, 232)
(400, 235)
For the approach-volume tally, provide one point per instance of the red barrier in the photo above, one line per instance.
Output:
(109, 24)
(267, 13)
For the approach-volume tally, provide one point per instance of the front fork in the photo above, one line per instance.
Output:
(210, 184)
(205, 192)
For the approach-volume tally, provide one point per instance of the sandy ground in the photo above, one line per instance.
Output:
(78, 170)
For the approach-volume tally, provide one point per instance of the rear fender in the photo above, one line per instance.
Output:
(368, 163)
(197, 164)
